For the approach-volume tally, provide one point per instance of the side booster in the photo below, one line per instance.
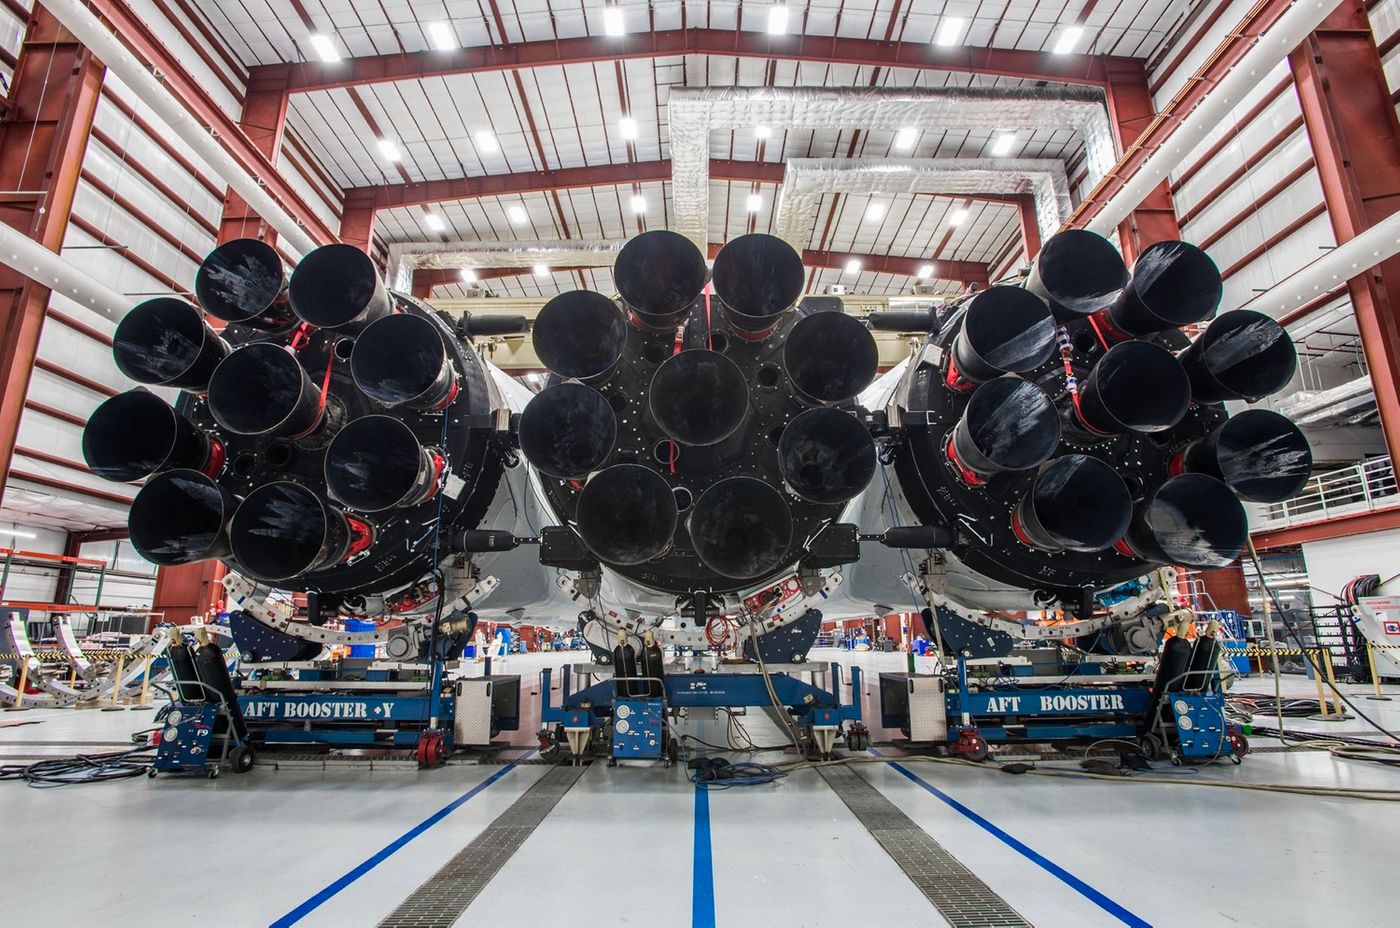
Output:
(1069, 436)
(696, 441)
(319, 433)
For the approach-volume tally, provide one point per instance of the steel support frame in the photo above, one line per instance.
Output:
(1351, 123)
(264, 121)
(43, 139)
(131, 28)
(1131, 112)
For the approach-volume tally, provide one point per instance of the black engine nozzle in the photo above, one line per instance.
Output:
(1077, 273)
(627, 515)
(1077, 503)
(830, 357)
(826, 456)
(337, 287)
(699, 397)
(262, 389)
(1262, 455)
(568, 430)
(136, 434)
(1010, 424)
(580, 335)
(400, 361)
(1192, 520)
(283, 530)
(1173, 284)
(377, 463)
(1135, 387)
(1005, 330)
(179, 517)
(244, 281)
(741, 528)
(758, 278)
(1242, 355)
(165, 342)
(660, 276)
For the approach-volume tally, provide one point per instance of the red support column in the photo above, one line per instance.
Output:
(1350, 120)
(357, 221)
(1030, 227)
(43, 138)
(264, 121)
(1131, 111)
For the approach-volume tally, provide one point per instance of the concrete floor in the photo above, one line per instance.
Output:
(343, 847)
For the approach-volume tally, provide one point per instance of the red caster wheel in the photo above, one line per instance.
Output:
(432, 749)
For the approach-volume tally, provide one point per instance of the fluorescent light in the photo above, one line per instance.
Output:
(517, 215)
(17, 533)
(324, 47)
(1069, 36)
(541, 270)
(905, 138)
(468, 275)
(486, 141)
(950, 30)
(441, 36)
(957, 217)
(875, 211)
(389, 150)
(613, 23)
(434, 222)
(762, 132)
(1002, 144)
(755, 202)
(628, 127)
(926, 272)
(638, 203)
(777, 19)
(853, 266)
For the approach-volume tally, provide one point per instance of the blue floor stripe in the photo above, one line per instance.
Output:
(702, 893)
(1035, 857)
(390, 849)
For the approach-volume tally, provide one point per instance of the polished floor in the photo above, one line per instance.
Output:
(636, 845)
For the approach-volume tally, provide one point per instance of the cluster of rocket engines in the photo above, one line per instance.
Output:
(701, 434)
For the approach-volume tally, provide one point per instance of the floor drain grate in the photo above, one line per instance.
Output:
(963, 899)
(440, 901)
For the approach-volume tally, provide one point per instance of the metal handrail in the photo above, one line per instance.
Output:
(1363, 487)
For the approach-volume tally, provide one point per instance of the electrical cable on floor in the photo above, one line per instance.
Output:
(81, 768)
(788, 728)
(718, 773)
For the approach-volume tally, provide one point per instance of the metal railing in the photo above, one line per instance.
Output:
(1362, 487)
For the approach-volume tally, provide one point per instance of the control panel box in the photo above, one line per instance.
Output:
(638, 728)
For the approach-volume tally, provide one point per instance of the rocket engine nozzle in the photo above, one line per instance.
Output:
(1077, 503)
(262, 389)
(1242, 355)
(283, 530)
(830, 357)
(1260, 454)
(826, 456)
(660, 276)
(699, 397)
(741, 528)
(1173, 284)
(377, 463)
(1192, 520)
(1005, 330)
(165, 342)
(1010, 424)
(244, 281)
(627, 514)
(136, 434)
(758, 278)
(400, 361)
(181, 516)
(568, 431)
(580, 335)
(337, 287)
(1077, 273)
(1135, 387)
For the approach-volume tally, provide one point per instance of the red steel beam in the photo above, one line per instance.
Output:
(43, 138)
(264, 121)
(1131, 112)
(1092, 70)
(132, 29)
(1158, 131)
(1351, 122)
(1334, 527)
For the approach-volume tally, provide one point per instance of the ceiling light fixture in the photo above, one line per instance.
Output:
(853, 266)
(755, 202)
(434, 222)
(777, 19)
(389, 150)
(324, 47)
(1003, 143)
(875, 212)
(957, 217)
(441, 36)
(638, 203)
(517, 215)
(613, 23)
(926, 272)
(541, 270)
(468, 275)
(904, 139)
(950, 30)
(762, 132)
(627, 126)
(1069, 37)
(486, 142)
(17, 533)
